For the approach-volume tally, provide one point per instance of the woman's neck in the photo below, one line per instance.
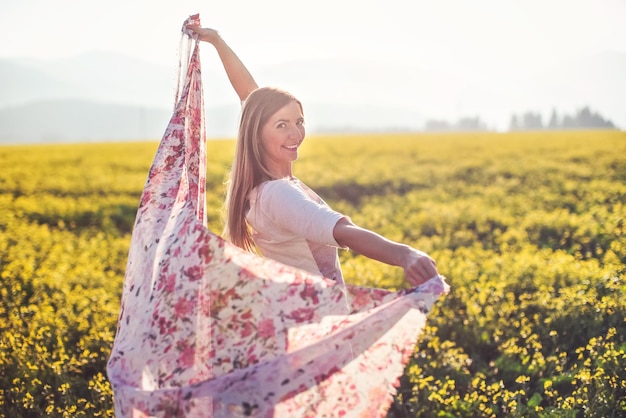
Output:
(282, 172)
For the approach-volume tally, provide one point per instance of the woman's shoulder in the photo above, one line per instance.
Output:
(276, 188)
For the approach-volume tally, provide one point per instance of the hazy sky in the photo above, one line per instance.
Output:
(479, 38)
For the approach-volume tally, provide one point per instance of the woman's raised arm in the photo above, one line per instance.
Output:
(239, 76)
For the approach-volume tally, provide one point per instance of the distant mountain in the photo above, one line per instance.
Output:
(83, 121)
(73, 120)
(369, 82)
(94, 76)
(22, 84)
(109, 96)
(597, 81)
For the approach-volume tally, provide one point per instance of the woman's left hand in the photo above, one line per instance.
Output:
(419, 267)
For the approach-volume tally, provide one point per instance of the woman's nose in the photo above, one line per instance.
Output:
(295, 132)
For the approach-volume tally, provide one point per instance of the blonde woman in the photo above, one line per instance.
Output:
(269, 209)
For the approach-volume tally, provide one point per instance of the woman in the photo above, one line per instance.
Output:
(270, 209)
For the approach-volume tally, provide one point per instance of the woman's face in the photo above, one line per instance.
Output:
(281, 137)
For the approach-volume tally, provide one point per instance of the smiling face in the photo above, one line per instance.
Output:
(281, 137)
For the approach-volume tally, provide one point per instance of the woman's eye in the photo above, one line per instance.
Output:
(301, 122)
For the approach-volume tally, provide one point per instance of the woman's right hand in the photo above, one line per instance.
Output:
(205, 34)
(239, 76)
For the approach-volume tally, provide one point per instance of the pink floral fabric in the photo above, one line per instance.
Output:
(208, 330)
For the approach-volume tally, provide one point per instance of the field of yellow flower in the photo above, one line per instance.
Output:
(527, 227)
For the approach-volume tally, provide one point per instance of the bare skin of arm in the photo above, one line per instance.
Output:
(418, 266)
(239, 76)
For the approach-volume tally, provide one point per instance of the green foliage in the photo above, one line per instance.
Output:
(528, 228)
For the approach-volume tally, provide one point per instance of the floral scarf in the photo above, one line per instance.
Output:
(208, 330)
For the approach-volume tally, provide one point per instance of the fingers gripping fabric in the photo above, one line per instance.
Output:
(207, 330)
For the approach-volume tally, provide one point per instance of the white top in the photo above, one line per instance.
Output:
(293, 225)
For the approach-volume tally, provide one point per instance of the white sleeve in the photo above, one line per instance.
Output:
(290, 208)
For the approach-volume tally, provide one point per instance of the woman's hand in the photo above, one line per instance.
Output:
(418, 267)
(205, 34)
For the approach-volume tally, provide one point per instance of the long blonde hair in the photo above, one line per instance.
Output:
(248, 169)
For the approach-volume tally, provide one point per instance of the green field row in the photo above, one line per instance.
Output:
(528, 228)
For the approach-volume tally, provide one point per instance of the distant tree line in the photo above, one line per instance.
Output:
(463, 124)
(583, 119)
